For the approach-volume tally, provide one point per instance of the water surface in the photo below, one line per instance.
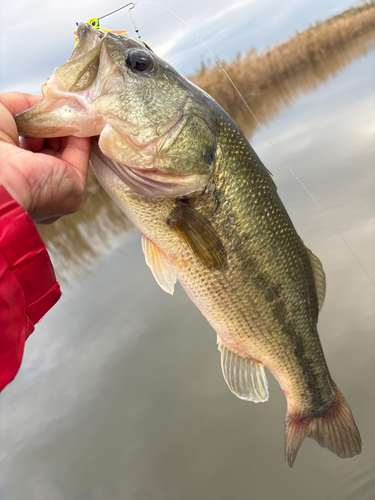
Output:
(121, 394)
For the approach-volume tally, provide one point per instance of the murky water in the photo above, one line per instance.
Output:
(121, 394)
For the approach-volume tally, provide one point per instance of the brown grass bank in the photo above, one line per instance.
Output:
(271, 101)
(256, 71)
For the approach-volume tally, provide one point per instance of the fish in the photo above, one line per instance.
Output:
(210, 217)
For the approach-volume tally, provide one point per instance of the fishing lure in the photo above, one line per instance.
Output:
(94, 22)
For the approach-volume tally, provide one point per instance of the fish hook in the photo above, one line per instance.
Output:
(133, 4)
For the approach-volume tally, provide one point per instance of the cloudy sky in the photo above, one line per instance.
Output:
(37, 35)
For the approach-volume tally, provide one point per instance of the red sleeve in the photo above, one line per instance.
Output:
(28, 286)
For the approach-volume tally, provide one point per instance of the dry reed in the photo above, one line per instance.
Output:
(256, 71)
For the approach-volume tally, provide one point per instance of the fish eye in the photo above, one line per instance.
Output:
(139, 60)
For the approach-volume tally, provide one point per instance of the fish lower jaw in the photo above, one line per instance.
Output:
(154, 183)
(151, 182)
(60, 116)
(139, 170)
(52, 96)
(68, 112)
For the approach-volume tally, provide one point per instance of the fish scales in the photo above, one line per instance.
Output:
(210, 216)
(262, 249)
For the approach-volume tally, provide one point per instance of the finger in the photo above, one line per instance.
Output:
(8, 128)
(53, 147)
(54, 144)
(32, 144)
(16, 102)
(77, 153)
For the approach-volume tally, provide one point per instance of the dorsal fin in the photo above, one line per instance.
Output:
(245, 377)
(271, 175)
(199, 235)
(319, 277)
(159, 265)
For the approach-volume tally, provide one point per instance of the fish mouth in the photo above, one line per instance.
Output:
(59, 114)
(83, 99)
(68, 106)
(77, 98)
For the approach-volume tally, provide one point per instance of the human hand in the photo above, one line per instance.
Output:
(47, 177)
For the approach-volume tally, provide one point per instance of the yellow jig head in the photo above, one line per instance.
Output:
(94, 22)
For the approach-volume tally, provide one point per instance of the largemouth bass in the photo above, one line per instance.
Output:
(210, 217)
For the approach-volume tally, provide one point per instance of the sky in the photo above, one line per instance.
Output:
(37, 35)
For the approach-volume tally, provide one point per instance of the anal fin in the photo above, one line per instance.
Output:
(245, 377)
(159, 265)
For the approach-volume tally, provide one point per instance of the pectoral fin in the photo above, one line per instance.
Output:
(199, 235)
(159, 265)
(245, 377)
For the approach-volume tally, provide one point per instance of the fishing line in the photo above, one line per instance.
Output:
(255, 118)
(130, 14)
(123, 7)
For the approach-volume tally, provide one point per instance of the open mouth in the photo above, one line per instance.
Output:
(68, 106)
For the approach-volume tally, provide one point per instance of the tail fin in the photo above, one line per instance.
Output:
(334, 428)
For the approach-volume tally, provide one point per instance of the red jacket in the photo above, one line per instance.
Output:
(28, 286)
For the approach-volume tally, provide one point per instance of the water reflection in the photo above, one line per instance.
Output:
(77, 241)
